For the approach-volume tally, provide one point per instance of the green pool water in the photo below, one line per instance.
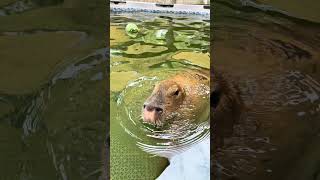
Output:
(165, 45)
(52, 119)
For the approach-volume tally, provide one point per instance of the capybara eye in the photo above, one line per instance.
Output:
(215, 98)
(176, 93)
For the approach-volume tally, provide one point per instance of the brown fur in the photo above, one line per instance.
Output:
(226, 106)
(163, 95)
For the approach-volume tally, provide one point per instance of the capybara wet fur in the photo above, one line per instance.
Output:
(179, 97)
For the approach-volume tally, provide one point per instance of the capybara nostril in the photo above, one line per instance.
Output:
(152, 108)
(148, 107)
(159, 110)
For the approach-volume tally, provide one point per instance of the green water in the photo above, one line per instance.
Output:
(166, 44)
(64, 137)
(52, 76)
(58, 131)
(272, 54)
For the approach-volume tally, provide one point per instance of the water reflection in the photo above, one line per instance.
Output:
(21, 6)
(52, 133)
(273, 58)
(166, 44)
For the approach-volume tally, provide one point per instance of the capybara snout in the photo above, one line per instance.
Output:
(166, 97)
(152, 113)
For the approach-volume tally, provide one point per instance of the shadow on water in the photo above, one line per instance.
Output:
(274, 59)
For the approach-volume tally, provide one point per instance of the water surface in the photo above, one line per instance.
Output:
(272, 53)
(53, 77)
(166, 45)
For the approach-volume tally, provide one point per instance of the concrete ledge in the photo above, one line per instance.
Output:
(132, 6)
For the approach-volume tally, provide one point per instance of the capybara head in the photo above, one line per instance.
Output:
(165, 99)
(181, 97)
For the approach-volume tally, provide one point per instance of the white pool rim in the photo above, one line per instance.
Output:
(132, 6)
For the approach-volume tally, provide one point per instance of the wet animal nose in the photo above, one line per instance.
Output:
(152, 108)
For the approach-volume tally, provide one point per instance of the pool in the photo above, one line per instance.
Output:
(165, 45)
(52, 119)
(273, 57)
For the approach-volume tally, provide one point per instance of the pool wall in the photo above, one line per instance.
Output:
(133, 6)
(176, 1)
